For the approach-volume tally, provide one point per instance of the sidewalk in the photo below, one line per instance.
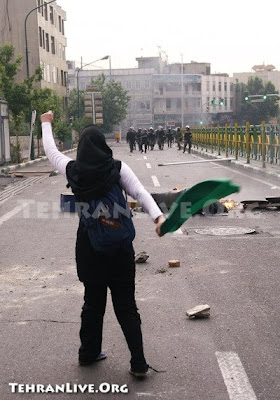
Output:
(7, 169)
(255, 166)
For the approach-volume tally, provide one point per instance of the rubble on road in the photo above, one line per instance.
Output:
(174, 263)
(141, 257)
(201, 311)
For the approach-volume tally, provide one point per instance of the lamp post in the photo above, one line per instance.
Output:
(80, 69)
(27, 69)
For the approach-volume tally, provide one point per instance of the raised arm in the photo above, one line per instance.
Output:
(58, 159)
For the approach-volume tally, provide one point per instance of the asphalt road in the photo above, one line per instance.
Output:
(232, 355)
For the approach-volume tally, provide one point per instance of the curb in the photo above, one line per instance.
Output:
(6, 170)
(238, 164)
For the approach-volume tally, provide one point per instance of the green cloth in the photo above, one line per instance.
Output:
(194, 199)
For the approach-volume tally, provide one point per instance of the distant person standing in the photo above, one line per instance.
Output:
(178, 138)
(160, 137)
(187, 139)
(131, 138)
(151, 138)
(144, 140)
(169, 137)
(139, 139)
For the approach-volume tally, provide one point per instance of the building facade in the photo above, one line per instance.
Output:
(168, 94)
(40, 33)
(267, 73)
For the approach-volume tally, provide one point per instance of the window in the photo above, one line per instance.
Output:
(51, 15)
(52, 45)
(214, 86)
(54, 75)
(46, 11)
(65, 78)
(43, 69)
(225, 86)
(48, 76)
(59, 23)
(63, 53)
(178, 103)
(207, 86)
(220, 86)
(40, 37)
(47, 42)
(39, 2)
(168, 104)
(62, 78)
(43, 38)
(147, 84)
(62, 26)
(148, 105)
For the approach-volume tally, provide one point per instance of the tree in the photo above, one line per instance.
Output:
(43, 100)
(73, 103)
(255, 112)
(115, 101)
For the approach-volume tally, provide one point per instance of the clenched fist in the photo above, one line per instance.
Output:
(47, 117)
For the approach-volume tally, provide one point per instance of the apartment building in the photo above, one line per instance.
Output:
(168, 94)
(267, 73)
(36, 27)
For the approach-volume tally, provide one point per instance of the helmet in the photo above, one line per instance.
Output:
(187, 127)
(131, 128)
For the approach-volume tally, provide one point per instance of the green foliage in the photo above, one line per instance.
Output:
(115, 102)
(79, 124)
(18, 95)
(73, 103)
(15, 153)
(63, 130)
(255, 112)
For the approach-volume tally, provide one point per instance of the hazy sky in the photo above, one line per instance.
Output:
(231, 35)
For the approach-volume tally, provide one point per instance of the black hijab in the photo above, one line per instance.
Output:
(94, 171)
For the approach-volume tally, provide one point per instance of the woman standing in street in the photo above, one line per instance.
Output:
(92, 175)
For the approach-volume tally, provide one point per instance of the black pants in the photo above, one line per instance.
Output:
(131, 145)
(126, 313)
(189, 145)
(99, 272)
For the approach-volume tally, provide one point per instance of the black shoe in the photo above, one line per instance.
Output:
(139, 373)
(84, 360)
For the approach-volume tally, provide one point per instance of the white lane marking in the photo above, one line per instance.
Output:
(155, 181)
(148, 165)
(235, 378)
(145, 157)
(12, 213)
(54, 182)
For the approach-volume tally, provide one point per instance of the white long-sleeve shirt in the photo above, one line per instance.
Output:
(129, 181)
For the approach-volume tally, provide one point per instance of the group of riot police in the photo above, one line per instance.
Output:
(148, 138)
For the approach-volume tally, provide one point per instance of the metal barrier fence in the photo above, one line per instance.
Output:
(256, 142)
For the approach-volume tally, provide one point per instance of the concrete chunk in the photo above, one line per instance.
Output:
(201, 311)
(174, 263)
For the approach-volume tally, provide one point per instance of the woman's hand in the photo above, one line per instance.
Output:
(47, 117)
(159, 221)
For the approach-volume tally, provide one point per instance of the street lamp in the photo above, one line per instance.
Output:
(80, 69)
(27, 67)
